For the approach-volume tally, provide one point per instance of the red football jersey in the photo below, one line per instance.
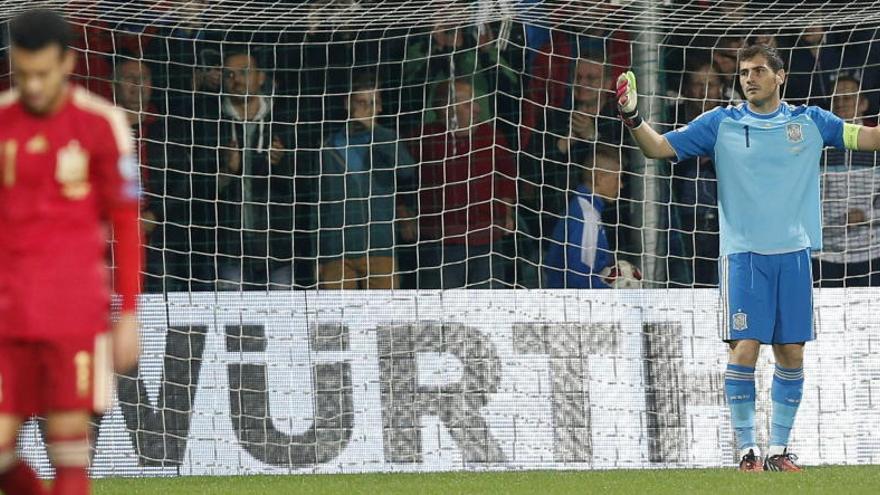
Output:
(64, 178)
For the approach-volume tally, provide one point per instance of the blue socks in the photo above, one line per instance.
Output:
(787, 390)
(739, 385)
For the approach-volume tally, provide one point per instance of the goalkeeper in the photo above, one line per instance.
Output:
(767, 159)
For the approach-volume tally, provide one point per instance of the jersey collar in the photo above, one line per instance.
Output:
(770, 115)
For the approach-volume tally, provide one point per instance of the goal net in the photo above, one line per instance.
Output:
(291, 150)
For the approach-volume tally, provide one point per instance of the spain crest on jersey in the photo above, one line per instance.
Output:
(794, 132)
(72, 171)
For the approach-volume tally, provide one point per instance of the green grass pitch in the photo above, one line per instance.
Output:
(816, 480)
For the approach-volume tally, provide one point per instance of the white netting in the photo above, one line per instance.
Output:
(228, 214)
(265, 168)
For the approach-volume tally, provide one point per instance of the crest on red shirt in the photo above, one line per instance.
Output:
(37, 144)
(72, 171)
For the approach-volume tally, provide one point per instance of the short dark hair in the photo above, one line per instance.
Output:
(602, 150)
(774, 61)
(126, 57)
(237, 52)
(607, 151)
(848, 76)
(39, 28)
(365, 81)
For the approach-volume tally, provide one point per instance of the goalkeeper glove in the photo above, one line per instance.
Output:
(627, 98)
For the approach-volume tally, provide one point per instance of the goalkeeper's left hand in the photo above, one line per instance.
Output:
(627, 100)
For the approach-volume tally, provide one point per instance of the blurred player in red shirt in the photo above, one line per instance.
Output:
(67, 170)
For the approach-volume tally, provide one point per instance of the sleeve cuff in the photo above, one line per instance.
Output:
(672, 145)
(851, 136)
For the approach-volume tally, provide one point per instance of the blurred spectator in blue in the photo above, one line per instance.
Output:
(365, 175)
(580, 248)
(695, 196)
(850, 256)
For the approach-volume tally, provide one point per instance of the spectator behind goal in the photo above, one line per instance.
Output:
(473, 51)
(365, 173)
(570, 136)
(579, 249)
(467, 195)
(243, 153)
(695, 189)
(850, 255)
(133, 89)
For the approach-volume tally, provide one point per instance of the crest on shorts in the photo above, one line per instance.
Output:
(740, 321)
(794, 132)
(72, 171)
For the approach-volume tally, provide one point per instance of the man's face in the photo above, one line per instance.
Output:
(364, 106)
(40, 75)
(588, 84)
(704, 84)
(758, 80)
(134, 86)
(846, 102)
(467, 111)
(241, 76)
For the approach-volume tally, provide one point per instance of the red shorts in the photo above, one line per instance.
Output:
(73, 374)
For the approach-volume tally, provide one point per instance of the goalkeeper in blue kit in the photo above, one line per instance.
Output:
(767, 155)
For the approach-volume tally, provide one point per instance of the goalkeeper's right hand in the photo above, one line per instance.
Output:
(627, 99)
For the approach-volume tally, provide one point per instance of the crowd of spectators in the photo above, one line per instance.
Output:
(443, 157)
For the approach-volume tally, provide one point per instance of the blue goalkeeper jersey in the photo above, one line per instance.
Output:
(768, 173)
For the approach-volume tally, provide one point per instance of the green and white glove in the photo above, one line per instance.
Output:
(627, 99)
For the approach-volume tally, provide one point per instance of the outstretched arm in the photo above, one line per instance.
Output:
(652, 144)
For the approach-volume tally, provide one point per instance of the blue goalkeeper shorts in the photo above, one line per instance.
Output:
(767, 297)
